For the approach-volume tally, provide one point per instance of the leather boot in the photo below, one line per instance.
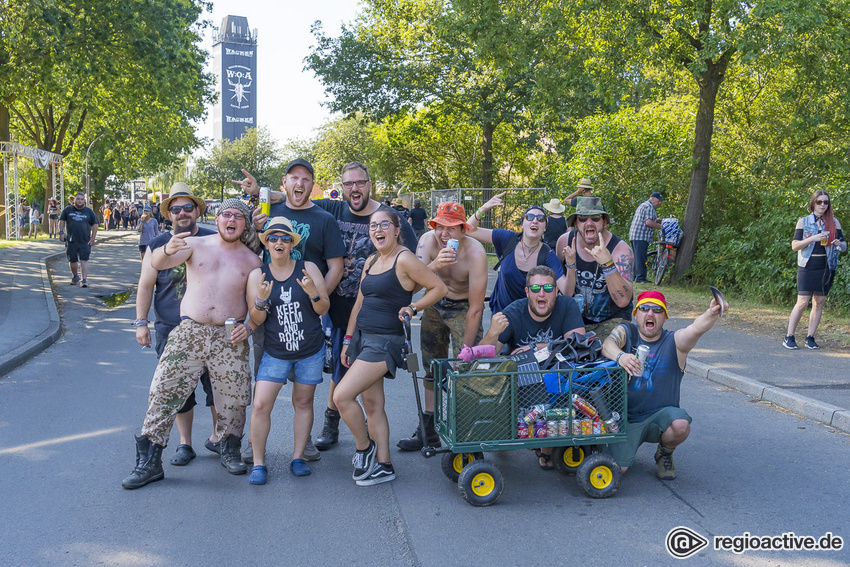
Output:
(148, 464)
(414, 442)
(330, 431)
(231, 455)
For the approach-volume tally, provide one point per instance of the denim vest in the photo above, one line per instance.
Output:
(810, 226)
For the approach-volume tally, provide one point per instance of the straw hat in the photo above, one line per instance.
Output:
(555, 206)
(178, 190)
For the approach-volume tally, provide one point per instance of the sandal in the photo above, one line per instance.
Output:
(545, 462)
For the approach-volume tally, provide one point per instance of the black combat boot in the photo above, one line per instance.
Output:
(231, 455)
(330, 432)
(148, 464)
(414, 442)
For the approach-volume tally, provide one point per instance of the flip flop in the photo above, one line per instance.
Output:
(545, 462)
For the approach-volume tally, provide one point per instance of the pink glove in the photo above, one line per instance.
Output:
(480, 351)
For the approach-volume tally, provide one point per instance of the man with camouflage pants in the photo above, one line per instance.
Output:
(217, 267)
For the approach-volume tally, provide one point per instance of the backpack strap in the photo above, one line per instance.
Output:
(509, 247)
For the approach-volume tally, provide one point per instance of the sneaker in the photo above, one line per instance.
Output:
(382, 472)
(364, 461)
(810, 343)
(259, 475)
(83, 283)
(310, 452)
(75, 280)
(664, 461)
(790, 343)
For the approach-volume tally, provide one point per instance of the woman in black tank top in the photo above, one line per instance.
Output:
(372, 345)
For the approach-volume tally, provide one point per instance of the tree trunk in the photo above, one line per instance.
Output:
(487, 155)
(709, 83)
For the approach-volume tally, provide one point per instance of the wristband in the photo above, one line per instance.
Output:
(261, 304)
(165, 251)
(617, 360)
(413, 308)
(608, 264)
(569, 266)
(140, 323)
(609, 271)
(250, 330)
(315, 298)
(346, 342)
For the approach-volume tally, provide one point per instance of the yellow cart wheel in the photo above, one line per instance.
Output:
(481, 483)
(568, 459)
(599, 476)
(453, 463)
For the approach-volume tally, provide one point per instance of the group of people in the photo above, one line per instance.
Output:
(349, 270)
(30, 218)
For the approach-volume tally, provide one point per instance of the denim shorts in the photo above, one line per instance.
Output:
(307, 370)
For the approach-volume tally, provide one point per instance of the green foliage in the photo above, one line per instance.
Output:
(256, 152)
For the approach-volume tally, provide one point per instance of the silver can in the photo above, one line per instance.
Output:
(642, 354)
(229, 325)
(453, 243)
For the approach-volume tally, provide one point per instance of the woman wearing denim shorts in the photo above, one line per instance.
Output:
(289, 296)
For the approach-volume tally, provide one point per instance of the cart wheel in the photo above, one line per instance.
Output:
(481, 483)
(599, 475)
(568, 459)
(454, 463)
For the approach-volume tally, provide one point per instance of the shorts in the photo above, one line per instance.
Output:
(307, 370)
(647, 431)
(142, 248)
(370, 347)
(78, 251)
(162, 332)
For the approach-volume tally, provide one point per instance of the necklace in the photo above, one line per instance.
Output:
(526, 252)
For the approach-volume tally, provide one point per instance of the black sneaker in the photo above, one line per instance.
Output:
(364, 461)
(790, 343)
(382, 472)
(810, 343)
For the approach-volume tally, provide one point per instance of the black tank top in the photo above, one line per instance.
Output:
(598, 305)
(292, 330)
(383, 297)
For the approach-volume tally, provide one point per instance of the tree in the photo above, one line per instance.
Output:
(256, 151)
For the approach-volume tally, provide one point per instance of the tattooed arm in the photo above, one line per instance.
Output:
(613, 347)
(620, 282)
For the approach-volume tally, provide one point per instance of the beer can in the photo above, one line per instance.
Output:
(229, 325)
(534, 414)
(551, 429)
(597, 426)
(540, 429)
(586, 427)
(453, 243)
(580, 301)
(611, 426)
(557, 414)
(642, 354)
(265, 200)
(563, 428)
(522, 430)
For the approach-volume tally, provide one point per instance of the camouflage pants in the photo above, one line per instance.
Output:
(444, 320)
(191, 349)
(604, 328)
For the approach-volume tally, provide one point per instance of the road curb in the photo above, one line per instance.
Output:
(29, 349)
(810, 408)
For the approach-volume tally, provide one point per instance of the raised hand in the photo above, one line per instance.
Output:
(264, 290)
(177, 243)
(248, 185)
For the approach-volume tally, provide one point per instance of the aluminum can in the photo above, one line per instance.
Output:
(551, 429)
(580, 300)
(563, 428)
(534, 414)
(586, 427)
(229, 325)
(265, 200)
(522, 430)
(597, 426)
(583, 406)
(642, 354)
(611, 426)
(540, 429)
(576, 427)
(453, 243)
(557, 414)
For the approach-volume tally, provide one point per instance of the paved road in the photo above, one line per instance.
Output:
(68, 415)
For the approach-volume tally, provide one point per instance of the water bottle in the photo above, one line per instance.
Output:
(328, 366)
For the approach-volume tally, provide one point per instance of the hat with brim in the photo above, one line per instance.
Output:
(584, 184)
(450, 214)
(587, 206)
(178, 190)
(280, 224)
(555, 206)
(654, 298)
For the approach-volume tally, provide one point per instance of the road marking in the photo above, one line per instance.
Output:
(28, 446)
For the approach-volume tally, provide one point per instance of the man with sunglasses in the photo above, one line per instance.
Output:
(598, 266)
(654, 414)
(643, 227)
(165, 288)
(217, 267)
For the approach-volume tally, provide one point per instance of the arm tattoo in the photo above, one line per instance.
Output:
(625, 265)
(618, 335)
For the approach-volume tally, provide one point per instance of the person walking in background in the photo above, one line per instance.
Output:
(148, 229)
(418, 216)
(817, 241)
(52, 218)
(82, 232)
(556, 224)
(35, 221)
(644, 224)
(23, 217)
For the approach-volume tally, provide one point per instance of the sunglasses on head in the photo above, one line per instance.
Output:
(538, 217)
(594, 218)
(548, 288)
(647, 308)
(822, 202)
(282, 237)
(188, 207)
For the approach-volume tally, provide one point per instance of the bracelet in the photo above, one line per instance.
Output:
(346, 342)
(608, 264)
(617, 360)
(261, 304)
(140, 323)
(250, 330)
(413, 308)
(165, 250)
(608, 271)
(347, 337)
(569, 266)
(315, 298)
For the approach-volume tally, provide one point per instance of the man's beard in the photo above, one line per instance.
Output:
(533, 306)
(181, 225)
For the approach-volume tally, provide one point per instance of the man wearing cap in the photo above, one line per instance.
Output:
(456, 317)
(352, 216)
(654, 414)
(583, 189)
(82, 232)
(643, 227)
(556, 224)
(165, 288)
(417, 218)
(217, 267)
(598, 267)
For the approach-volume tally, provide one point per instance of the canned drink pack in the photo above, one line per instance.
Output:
(551, 429)
(229, 325)
(540, 429)
(557, 414)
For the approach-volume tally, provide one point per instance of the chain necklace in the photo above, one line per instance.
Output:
(526, 252)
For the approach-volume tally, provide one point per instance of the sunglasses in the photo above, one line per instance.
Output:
(282, 237)
(548, 288)
(188, 207)
(531, 216)
(822, 202)
(594, 218)
(229, 215)
(383, 225)
(647, 308)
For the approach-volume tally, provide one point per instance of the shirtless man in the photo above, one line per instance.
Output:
(458, 314)
(598, 266)
(217, 268)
